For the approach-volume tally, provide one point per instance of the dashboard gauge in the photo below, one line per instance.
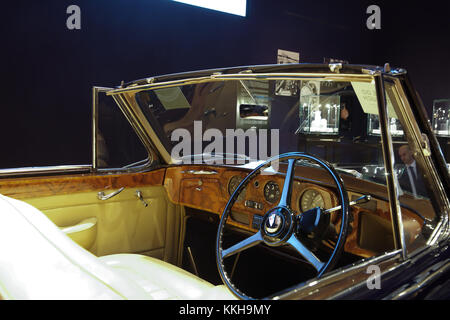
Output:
(311, 199)
(271, 192)
(233, 184)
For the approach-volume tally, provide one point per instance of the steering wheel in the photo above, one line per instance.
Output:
(280, 225)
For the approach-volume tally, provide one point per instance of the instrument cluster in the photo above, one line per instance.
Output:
(309, 198)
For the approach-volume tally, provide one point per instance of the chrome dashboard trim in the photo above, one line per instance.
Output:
(199, 172)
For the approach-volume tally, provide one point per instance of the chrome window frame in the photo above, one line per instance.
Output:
(147, 162)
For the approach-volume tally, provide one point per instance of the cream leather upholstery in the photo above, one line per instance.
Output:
(162, 280)
(124, 224)
(38, 261)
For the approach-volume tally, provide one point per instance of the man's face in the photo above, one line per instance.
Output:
(406, 155)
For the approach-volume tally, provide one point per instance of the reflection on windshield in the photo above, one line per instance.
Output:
(241, 121)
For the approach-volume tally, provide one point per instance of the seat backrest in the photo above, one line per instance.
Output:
(38, 261)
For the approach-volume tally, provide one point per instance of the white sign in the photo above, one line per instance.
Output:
(367, 96)
(237, 7)
(285, 56)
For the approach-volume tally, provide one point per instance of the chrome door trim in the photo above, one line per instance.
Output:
(426, 277)
(45, 170)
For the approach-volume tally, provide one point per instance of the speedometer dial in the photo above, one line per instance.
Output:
(311, 199)
(271, 191)
(233, 184)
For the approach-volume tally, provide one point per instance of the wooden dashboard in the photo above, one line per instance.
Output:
(208, 188)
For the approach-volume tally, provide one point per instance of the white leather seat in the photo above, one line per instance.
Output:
(38, 261)
(162, 280)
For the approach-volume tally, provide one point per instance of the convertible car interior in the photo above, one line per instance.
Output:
(156, 216)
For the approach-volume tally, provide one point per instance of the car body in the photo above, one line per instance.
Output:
(176, 157)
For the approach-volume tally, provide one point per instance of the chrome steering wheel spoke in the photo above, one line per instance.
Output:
(305, 252)
(243, 245)
(286, 194)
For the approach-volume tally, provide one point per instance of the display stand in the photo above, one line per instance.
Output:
(441, 125)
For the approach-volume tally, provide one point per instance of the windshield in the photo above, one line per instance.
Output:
(242, 121)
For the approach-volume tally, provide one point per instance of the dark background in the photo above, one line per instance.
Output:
(48, 71)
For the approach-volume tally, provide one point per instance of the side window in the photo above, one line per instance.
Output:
(117, 145)
(414, 173)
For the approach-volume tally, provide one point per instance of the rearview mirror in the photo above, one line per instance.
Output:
(254, 111)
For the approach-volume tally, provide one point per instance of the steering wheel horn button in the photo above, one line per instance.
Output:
(273, 223)
(276, 225)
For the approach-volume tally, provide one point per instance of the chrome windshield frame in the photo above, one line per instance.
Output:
(126, 95)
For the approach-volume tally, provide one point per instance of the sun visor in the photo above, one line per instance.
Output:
(172, 98)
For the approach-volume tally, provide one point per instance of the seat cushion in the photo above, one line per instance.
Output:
(41, 262)
(162, 280)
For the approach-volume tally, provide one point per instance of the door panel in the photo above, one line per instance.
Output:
(123, 223)
(84, 233)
